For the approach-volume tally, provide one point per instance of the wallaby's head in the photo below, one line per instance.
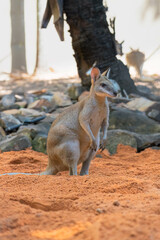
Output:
(102, 85)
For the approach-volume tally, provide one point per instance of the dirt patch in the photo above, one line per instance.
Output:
(120, 199)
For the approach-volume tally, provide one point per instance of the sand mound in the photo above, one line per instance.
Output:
(120, 199)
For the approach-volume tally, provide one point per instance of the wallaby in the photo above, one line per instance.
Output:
(136, 59)
(74, 136)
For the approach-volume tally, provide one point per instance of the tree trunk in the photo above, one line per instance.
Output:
(18, 36)
(92, 42)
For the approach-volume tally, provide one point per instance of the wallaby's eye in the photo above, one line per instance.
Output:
(103, 85)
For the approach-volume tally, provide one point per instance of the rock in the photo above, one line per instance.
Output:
(116, 137)
(140, 104)
(47, 97)
(41, 128)
(11, 111)
(43, 105)
(116, 203)
(22, 104)
(24, 112)
(19, 97)
(2, 133)
(9, 122)
(29, 119)
(147, 140)
(39, 143)
(50, 118)
(61, 99)
(8, 100)
(37, 92)
(74, 91)
(30, 133)
(15, 143)
(135, 140)
(119, 100)
(100, 210)
(30, 112)
(29, 98)
(134, 121)
(144, 89)
(154, 112)
(14, 106)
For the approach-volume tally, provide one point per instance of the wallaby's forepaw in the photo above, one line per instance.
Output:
(94, 146)
(103, 145)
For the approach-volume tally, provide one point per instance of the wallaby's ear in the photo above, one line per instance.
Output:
(106, 73)
(95, 74)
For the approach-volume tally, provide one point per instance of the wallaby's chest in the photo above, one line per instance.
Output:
(96, 119)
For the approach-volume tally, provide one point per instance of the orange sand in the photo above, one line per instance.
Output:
(119, 200)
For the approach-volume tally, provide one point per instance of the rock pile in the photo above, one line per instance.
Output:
(25, 119)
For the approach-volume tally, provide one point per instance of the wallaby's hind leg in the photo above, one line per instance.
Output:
(70, 171)
(86, 163)
(69, 152)
(73, 169)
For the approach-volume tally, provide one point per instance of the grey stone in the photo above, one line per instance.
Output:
(39, 143)
(15, 143)
(144, 89)
(21, 104)
(29, 119)
(61, 99)
(47, 97)
(9, 122)
(24, 112)
(50, 118)
(154, 112)
(11, 111)
(2, 133)
(138, 141)
(30, 133)
(147, 140)
(140, 104)
(134, 121)
(43, 105)
(116, 137)
(29, 98)
(74, 91)
(41, 128)
(8, 100)
(119, 100)
(30, 112)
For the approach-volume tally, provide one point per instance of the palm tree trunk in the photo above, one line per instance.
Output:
(92, 42)
(18, 37)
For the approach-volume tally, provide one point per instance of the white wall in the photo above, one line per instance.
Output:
(5, 36)
(137, 33)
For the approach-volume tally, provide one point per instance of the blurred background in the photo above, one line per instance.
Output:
(25, 46)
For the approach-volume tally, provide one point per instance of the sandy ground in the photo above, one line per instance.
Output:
(120, 199)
